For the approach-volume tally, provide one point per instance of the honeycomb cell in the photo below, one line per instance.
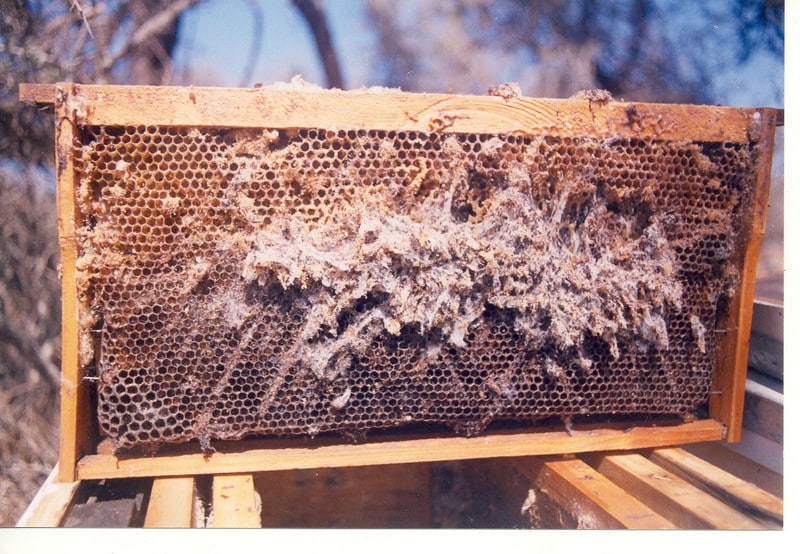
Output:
(192, 343)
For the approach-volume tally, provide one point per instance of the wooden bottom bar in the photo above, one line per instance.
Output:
(264, 456)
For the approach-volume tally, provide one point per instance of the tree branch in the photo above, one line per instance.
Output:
(156, 24)
(255, 45)
(315, 17)
(77, 6)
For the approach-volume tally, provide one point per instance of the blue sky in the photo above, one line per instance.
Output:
(216, 37)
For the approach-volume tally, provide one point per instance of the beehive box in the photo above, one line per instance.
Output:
(434, 276)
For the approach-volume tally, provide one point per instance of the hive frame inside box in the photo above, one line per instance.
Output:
(81, 455)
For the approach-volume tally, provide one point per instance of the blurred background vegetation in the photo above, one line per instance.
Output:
(718, 52)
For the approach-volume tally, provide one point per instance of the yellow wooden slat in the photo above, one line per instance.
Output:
(396, 111)
(270, 455)
(722, 456)
(707, 476)
(682, 503)
(589, 497)
(74, 389)
(234, 502)
(171, 502)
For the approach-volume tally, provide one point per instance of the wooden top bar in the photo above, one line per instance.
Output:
(36, 93)
(390, 110)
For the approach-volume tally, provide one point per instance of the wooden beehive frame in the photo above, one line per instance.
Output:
(77, 105)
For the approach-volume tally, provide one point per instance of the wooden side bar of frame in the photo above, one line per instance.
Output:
(730, 372)
(75, 417)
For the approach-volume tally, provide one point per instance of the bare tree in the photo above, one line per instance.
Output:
(148, 50)
(113, 41)
(29, 340)
(655, 50)
(318, 24)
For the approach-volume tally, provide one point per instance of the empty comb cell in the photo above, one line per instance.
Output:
(255, 263)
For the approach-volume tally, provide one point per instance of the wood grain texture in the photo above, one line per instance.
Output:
(50, 505)
(730, 374)
(708, 477)
(37, 93)
(270, 455)
(171, 503)
(74, 391)
(721, 455)
(234, 503)
(590, 498)
(683, 504)
(396, 111)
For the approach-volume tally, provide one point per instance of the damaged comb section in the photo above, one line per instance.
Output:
(278, 282)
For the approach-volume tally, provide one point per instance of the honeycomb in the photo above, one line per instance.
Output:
(242, 282)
